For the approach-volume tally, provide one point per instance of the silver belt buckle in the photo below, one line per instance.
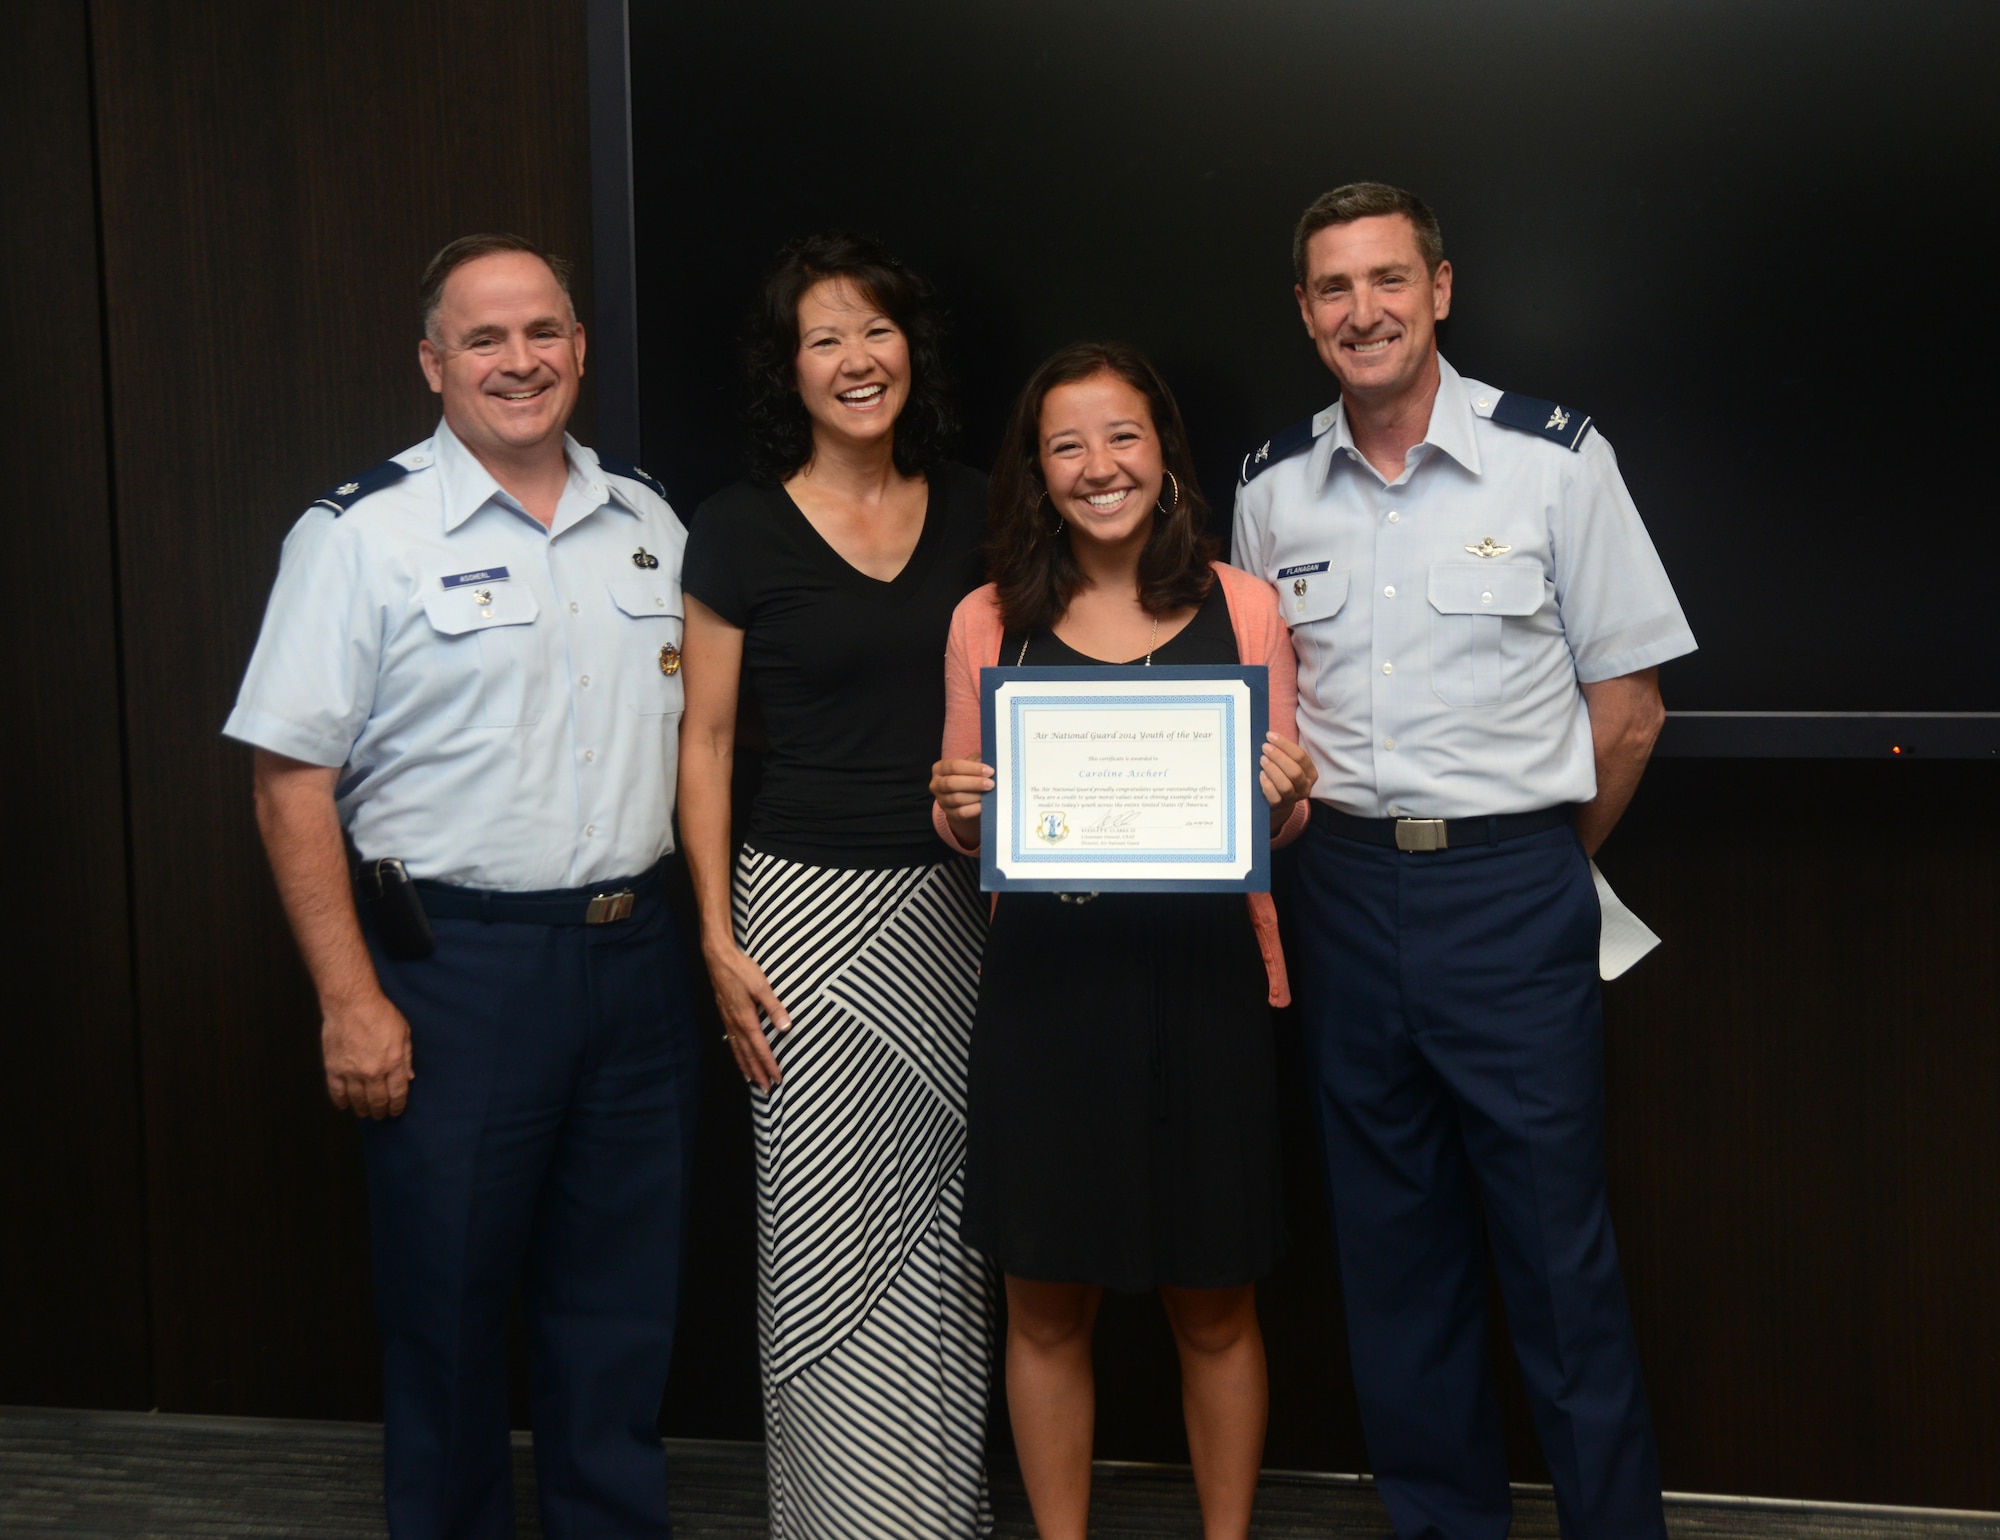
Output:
(607, 908)
(1420, 834)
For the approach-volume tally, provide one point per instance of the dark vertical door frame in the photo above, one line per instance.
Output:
(614, 329)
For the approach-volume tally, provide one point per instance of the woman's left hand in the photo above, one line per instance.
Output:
(1286, 772)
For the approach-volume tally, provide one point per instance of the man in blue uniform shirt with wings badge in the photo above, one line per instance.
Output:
(468, 672)
(1479, 619)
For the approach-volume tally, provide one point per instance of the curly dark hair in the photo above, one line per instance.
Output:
(780, 428)
(1032, 566)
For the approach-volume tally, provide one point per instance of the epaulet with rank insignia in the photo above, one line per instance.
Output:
(348, 493)
(1279, 446)
(627, 469)
(1558, 424)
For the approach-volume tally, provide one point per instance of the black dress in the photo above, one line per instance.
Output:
(1122, 1118)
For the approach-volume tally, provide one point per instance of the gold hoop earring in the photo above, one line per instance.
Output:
(1177, 493)
(1060, 525)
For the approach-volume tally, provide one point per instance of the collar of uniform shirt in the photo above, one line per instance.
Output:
(467, 486)
(1450, 430)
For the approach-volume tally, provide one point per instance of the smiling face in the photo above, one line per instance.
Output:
(1371, 307)
(853, 364)
(1101, 460)
(506, 354)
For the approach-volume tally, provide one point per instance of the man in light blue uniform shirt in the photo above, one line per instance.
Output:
(470, 666)
(1479, 619)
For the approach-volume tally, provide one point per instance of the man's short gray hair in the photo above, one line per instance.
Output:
(1367, 200)
(470, 248)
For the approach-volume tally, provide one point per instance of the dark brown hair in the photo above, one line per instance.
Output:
(470, 248)
(1367, 200)
(1032, 564)
(780, 427)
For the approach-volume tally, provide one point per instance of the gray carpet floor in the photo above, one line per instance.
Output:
(125, 1475)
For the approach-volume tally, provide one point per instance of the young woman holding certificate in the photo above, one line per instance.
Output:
(1122, 1127)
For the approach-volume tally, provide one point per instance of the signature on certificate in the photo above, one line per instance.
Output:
(1118, 822)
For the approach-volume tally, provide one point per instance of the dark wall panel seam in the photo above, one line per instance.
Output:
(116, 579)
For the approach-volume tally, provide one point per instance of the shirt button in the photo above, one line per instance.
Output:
(584, 682)
(1395, 517)
(1388, 743)
(1487, 597)
(590, 828)
(1388, 668)
(589, 756)
(572, 606)
(1389, 592)
(1395, 809)
(661, 603)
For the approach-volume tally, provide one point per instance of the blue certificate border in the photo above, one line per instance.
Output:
(1257, 879)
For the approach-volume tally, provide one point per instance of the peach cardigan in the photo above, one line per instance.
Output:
(976, 633)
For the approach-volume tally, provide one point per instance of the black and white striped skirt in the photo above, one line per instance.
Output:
(875, 1324)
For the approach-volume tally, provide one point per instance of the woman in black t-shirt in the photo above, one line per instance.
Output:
(826, 584)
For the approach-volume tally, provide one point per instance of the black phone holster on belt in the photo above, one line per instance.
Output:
(387, 892)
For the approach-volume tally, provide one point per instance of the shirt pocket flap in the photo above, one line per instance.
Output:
(649, 597)
(1313, 596)
(456, 611)
(1481, 588)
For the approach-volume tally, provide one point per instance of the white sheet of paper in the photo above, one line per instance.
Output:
(1148, 781)
(1625, 937)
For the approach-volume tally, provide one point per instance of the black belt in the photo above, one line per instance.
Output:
(600, 904)
(1415, 834)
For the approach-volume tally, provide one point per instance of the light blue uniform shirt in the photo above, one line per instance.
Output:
(1443, 620)
(493, 691)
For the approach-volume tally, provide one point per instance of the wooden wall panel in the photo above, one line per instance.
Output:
(72, 1263)
(274, 178)
(1805, 1145)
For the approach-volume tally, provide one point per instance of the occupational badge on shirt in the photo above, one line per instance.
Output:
(670, 660)
(645, 559)
(1486, 547)
(1301, 575)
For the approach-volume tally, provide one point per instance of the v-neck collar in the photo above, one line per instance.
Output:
(852, 576)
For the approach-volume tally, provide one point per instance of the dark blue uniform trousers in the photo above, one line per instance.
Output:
(1454, 1035)
(547, 1142)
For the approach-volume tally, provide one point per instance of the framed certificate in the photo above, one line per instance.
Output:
(1139, 779)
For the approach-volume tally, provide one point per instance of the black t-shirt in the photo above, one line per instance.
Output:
(848, 670)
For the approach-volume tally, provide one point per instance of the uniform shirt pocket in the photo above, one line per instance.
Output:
(1309, 601)
(1472, 604)
(652, 608)
(488, 634)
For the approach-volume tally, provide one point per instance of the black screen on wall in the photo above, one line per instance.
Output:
(1754, 241)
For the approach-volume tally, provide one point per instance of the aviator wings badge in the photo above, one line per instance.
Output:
(1486, 547)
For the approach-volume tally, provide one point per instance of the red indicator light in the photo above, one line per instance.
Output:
(1897, 749)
